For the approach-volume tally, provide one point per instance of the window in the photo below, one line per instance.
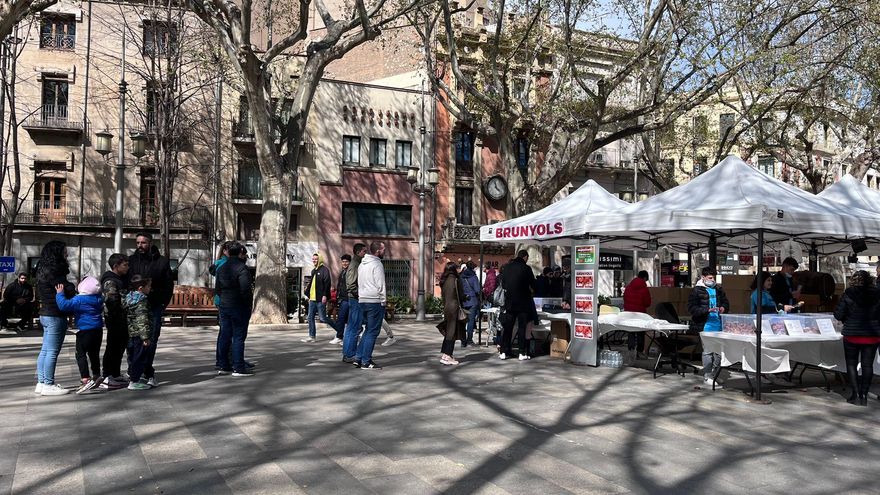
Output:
(464, 203)
(250, 182)
(150, 116)
(700, 165)
(160, 38)
(403, 154)
(351, 150)
(58, 32)
(55, 92)
(767, 165)
(49, 199)
(701, 129)
(149, 198)
(248, 227)
(725, 125)
(668, 166)
(397, 277)
(373, 219)
(464, 154)
(378, 154)
(522, 157)
(242, 127)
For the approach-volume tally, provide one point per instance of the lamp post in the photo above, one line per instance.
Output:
(423, 182)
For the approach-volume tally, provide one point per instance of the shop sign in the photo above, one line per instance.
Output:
(536, 230)
(615, 262)
(7, 264)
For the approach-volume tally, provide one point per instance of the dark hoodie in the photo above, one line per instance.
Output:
(858, 312)
(114, 289)
(154, 266)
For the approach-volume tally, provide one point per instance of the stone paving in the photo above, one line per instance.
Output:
(307, 423)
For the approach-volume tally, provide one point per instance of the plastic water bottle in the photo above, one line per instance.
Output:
(618, 359)
(605, 359)
(602, 361)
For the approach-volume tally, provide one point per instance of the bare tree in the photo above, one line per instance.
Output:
(13, 11)
(571, 85)
(294, 64)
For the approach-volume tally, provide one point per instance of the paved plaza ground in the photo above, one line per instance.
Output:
(307, 423)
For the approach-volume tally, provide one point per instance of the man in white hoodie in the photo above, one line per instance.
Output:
(371, 298)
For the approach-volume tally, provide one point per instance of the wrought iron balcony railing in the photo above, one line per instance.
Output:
(58, 41)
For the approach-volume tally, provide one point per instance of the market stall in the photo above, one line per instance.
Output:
(736, 204)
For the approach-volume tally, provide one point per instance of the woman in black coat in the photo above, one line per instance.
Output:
(861, 333)
(52, 270)
(451, 327)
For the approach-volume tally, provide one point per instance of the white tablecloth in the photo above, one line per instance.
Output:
(623, 322)
(824, 351)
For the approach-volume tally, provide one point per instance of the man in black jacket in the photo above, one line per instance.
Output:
(318, 292)
(148, 263)
(18, 296)
(235, 287)
(114, 287)
(519, 306)
(341, 300)
(783, 289)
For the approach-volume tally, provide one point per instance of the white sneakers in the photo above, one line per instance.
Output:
(336, 340)
(502, 356)
(308, 340)
(524, 357)
(53, 389)
(389, 341)
(39, 389)
(708, 383)
(153, 382)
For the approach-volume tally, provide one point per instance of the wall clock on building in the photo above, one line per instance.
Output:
(496, 188)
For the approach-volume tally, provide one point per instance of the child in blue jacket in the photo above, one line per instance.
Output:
(87, 307)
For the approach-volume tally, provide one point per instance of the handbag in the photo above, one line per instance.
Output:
(462, 314)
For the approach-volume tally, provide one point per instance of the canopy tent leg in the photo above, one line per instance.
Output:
(480, 300)
(758, 318)
(713, 253)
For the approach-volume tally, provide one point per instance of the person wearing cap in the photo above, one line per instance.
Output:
(783, 290)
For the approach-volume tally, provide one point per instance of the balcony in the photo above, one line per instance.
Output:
(102, 214)
(243, 133)
(248, 189)
(456, 233)
(55, 119)
(58, 41)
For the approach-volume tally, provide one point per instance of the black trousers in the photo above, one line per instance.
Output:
(88, 349)
(855, 354)
(448, 347)
(508, 320)
(117, 340)
(138, 354)
(24, 311)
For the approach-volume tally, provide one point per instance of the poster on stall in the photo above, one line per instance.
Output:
(794, 327)
(583, 303)
(585, 255)
(583, 279)
(583, 329)
(584, 294)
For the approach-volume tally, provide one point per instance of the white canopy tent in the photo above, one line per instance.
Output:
(562, 219)
(852, 194)
(731, 202)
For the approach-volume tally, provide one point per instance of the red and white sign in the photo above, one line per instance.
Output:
(540, 230)
(583, 329)
(583, 303)
(583, 279)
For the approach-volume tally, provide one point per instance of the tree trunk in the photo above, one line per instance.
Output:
(270, 297)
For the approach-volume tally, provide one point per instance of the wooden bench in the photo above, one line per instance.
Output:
(191, 301)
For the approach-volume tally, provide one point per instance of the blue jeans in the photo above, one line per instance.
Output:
(374, 313)
(352, 329)
(149, 371)
(54, 329)
(341, 319)
(233, 332)
(321, 309)
(473, 312)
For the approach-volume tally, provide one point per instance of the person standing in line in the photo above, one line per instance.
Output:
(318, 293)
(519, 283)
(87, 307)
(470, 299)
(234, 286)
(452, 328)
(114, 288)
(52, 269)
(355, 318)
(372, 298)
(489, 285)
(636, 298)
(140, 321)
(147, 262)
(341, 300)
(19, 297)
(706, 303)
(857, 310)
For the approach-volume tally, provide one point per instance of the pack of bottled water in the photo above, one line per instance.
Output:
(610, 359)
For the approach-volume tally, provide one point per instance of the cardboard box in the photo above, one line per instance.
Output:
(739, 301)
(559, 329)
(558, 348)
(736, 282)
(664, 294)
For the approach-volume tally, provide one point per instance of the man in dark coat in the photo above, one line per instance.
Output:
(18, 297)
(341, 300)
(783, 289)
(114, 286)
(235, 287)
(519, 306)
(148, 263)
(706, 303)
(318, 292)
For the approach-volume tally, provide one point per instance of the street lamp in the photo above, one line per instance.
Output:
(138, 145)
(423, 182)
(103, 142)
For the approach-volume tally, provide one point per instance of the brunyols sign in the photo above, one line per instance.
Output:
(542, 230)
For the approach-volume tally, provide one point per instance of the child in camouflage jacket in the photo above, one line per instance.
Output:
(139, 328)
